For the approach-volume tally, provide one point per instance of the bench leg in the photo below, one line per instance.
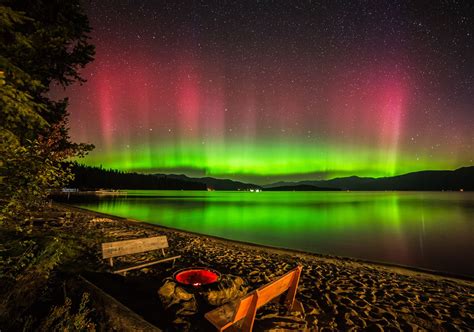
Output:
(297, 307)
(290, 296)
(247, 324)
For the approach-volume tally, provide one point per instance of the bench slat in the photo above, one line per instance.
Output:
(243, 307)
(274, 289)
(147, 264)
(128, 247)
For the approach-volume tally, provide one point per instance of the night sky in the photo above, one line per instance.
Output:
(271, 90)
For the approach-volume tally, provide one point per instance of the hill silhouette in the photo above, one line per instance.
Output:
(462, 178)
(300, 187)
(213, 183)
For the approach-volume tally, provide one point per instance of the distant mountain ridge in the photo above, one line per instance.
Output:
(94, 177)
(459, 179)
(300, 187)
(212, 183)
(336, 183)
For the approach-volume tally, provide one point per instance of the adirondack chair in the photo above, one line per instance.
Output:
(230, 315)
(136, 246)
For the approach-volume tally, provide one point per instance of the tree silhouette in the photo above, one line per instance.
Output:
(41, 43)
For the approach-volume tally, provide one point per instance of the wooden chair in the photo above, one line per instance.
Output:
(136, 246)
(227, 316)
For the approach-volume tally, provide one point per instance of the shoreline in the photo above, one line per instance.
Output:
(336, 293)
(400, 268)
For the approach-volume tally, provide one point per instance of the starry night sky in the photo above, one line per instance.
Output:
(271, 90)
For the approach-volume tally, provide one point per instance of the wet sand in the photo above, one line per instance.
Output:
(337, 293)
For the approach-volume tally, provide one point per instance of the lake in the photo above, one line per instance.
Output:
(431, 230)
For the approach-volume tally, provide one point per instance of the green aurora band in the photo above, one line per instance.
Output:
(251, 161)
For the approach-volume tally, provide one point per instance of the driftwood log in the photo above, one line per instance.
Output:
(116, 316)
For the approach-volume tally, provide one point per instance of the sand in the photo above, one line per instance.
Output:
(337, 293)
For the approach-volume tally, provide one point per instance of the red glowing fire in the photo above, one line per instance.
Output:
(196, 277)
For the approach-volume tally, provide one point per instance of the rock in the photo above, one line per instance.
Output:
(187, 308)
(170, 294)
(229, 289)
(182, 295)
(178, 303)
(166, 292)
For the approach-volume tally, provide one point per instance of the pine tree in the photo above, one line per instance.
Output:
(41, 43)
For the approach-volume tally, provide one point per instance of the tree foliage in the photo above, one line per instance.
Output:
(87, 177)
(41, 43)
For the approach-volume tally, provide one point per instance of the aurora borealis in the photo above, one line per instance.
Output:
(273, 90)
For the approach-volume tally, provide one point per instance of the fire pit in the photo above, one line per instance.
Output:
(196, 276)
(196, 290)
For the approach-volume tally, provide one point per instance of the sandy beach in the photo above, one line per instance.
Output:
(337, 293)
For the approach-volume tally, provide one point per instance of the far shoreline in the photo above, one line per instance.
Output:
(398, 268)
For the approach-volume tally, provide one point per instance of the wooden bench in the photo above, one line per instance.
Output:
(136, 246)
(229, 315)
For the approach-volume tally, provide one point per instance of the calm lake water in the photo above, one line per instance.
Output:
(421, 229)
